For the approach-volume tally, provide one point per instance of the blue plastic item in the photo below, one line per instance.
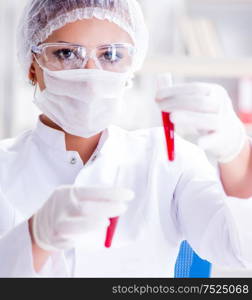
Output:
(190, 265)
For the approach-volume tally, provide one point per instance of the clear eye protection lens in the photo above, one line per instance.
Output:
(115, 58)
(56, 57)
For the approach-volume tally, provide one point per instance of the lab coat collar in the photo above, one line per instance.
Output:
(55, 139)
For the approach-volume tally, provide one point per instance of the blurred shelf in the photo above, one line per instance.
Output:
(200, 66)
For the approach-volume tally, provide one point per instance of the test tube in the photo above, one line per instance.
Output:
(164, 81)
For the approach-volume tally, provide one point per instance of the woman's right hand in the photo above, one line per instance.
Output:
(77, 214)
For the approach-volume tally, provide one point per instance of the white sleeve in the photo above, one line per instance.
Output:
(241, 215)
(8, 216)
(16, 256)
(217, 227)
(16, 249)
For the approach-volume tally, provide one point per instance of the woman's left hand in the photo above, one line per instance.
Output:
(206, 112)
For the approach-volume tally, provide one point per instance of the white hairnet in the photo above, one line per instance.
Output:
(42, 17)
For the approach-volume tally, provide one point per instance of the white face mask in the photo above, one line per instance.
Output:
(82, 102)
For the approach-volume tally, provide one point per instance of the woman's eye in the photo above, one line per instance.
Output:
(112, 56)
(65, 54)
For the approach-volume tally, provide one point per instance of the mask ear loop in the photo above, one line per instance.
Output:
(34, 82)
(35, 90)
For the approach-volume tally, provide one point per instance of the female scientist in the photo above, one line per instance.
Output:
(75, 170)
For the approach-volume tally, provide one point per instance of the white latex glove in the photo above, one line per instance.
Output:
(77, 214)
(205, 112)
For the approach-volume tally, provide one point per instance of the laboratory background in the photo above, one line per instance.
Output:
(194, 40)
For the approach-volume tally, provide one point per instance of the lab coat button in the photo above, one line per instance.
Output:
(73, 161)
(94, 158)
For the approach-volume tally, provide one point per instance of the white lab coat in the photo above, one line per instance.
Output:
(174, 201)
(9, 217)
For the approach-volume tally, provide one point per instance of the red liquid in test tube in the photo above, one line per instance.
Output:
(169, 135)
(111, 231)
(113, 224)
(165, 81)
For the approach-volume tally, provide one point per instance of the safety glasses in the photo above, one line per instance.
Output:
(64, 56)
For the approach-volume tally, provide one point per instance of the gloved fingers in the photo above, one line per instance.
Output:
(188, 89)
(103, 194)
(191, 103)
(79, 226)
(209, 141)
(200, 122)
(101, 208)
(92, 239)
